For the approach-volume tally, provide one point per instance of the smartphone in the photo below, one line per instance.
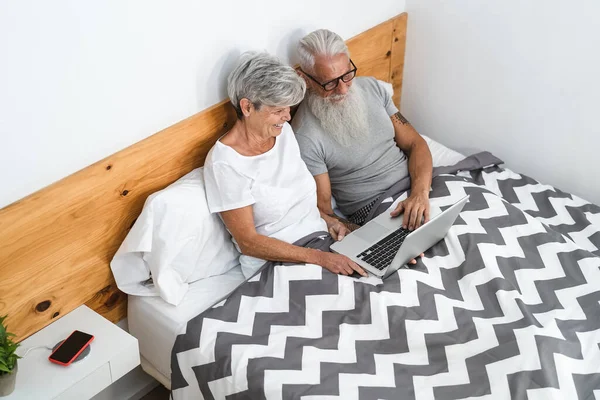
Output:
(72, 346)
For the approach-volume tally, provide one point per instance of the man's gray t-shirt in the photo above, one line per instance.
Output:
(363, 171)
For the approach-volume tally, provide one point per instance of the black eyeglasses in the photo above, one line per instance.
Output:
(332, 84)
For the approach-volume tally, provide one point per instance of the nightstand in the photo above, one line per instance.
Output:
(113, 353)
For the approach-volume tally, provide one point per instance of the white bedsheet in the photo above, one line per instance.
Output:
(156, 324)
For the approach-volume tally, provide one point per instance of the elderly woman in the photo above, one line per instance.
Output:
(256, 179)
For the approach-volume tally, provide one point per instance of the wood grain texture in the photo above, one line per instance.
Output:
(56, 244)
(398, 54)
(371, 51)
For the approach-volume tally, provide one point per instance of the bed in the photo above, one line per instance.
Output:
(156, 324)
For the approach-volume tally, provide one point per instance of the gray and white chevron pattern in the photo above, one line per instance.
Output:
(505, 307)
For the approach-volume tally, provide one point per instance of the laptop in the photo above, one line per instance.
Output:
(382, 246)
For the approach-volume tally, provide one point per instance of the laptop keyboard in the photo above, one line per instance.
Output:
(382, 253)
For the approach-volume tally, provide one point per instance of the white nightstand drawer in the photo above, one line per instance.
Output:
(88, 386)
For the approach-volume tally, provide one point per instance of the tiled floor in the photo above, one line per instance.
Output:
(160, 393)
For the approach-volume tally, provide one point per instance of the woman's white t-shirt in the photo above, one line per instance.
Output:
(277, 185)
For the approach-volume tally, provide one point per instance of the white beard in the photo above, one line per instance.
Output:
(346, 120)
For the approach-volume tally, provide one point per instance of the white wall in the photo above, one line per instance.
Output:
(518, 78)
(80, 80)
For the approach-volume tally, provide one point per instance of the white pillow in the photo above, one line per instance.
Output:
(175, 241)
(442, 155)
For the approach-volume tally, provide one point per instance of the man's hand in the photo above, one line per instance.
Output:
(337, 229)
(415, 207)
(350, 226)
(414, 260)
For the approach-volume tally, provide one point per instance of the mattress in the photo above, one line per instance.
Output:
(156, 324)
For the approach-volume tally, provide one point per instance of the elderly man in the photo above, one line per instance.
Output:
(352, 137)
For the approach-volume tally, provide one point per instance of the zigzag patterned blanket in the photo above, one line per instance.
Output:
(505, 307)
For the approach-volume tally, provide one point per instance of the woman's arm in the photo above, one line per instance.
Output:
(240, 222)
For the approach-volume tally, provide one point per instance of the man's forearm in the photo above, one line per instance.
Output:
(420, 169)
(416, 148)
(331, 217)
(325, 208)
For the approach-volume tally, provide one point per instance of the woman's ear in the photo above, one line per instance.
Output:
(246, 106)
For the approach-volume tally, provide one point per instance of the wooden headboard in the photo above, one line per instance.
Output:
(56, 244)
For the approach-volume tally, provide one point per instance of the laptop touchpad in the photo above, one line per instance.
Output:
(371, 231)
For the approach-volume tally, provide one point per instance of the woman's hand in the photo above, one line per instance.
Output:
(339, 264)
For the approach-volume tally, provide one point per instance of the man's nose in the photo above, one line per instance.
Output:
(342, 87)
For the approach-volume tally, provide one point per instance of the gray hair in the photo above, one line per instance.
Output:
(320, 42)
(264, 80)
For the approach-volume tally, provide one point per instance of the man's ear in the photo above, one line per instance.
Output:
(301, 74)
(246, 106)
